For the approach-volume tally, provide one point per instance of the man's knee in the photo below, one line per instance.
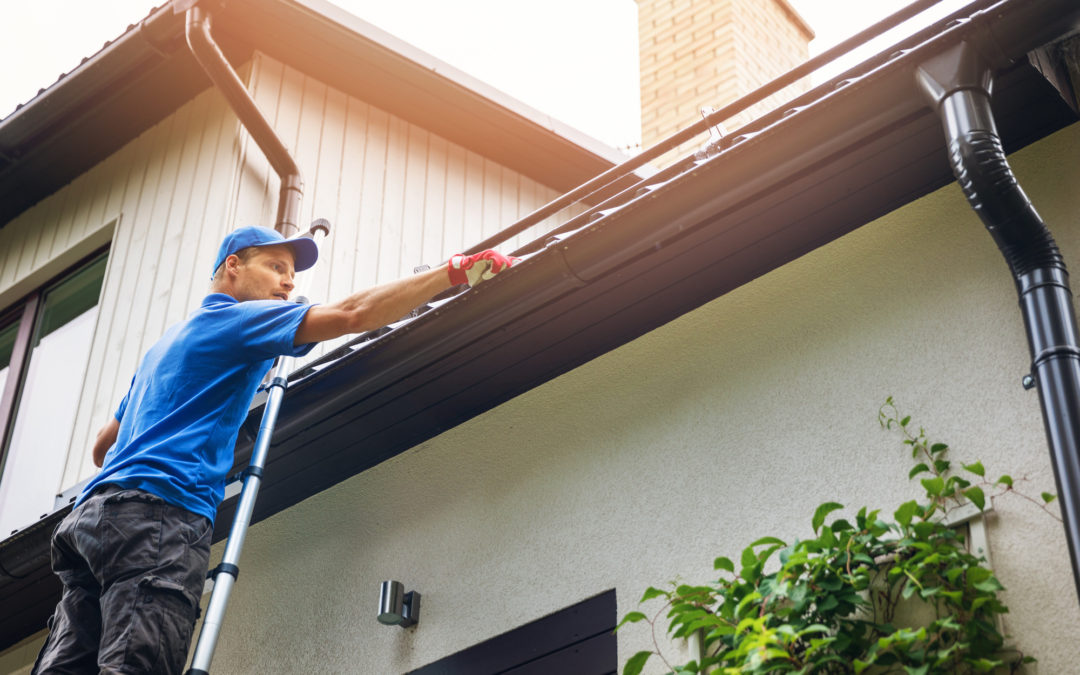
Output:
(74, 634)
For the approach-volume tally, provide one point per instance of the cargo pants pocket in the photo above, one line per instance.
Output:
(159, 633)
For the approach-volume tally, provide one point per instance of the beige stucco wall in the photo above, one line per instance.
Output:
(732, 422)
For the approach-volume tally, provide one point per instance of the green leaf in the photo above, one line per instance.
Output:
(632, 617)
(985, 665)
(651, 593)
(636, 662)
(860, 666)
(934, 485)
(906, 512)
(991, 585)
(917, 671)
(917, 469)
(976, 468)
(723, 563)
(841, 525)
(827, 538)
(748, 557)
(975, 494)
(1048, 497)
(1005, 480)
(768, 540)
(938, 447)
(904, 422)
(822, 511)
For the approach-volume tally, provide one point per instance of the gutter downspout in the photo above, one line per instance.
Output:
(957, 84)
(217, 68)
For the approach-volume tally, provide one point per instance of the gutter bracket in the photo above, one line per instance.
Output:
(555, 243)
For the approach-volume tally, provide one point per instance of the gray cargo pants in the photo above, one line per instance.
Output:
(133, 568)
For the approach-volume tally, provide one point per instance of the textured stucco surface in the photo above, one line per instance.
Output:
(729, 423)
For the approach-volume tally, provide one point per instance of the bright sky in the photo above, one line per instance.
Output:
(575, 60)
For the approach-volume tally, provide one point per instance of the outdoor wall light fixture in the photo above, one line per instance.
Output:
(396, 607)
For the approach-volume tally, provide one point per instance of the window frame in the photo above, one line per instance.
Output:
(27, 311)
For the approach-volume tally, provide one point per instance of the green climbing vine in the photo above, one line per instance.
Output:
(835, 603)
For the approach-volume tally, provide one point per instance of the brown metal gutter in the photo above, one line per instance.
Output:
(217, 68)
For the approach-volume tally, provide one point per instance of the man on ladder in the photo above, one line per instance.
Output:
(134, 552)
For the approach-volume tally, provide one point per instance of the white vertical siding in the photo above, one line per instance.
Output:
(397, 196)
(171, 182)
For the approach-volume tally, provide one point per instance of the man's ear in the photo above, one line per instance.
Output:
(232, 262)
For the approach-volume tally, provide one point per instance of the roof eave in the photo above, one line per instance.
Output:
(147, 73)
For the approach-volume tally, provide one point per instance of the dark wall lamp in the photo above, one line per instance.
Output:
(396, 607)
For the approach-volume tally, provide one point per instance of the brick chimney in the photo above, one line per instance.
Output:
(697, 53)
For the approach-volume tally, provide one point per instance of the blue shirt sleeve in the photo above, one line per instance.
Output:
(266, 328)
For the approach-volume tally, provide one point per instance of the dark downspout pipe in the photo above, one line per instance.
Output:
(957, 84)
(217, 68)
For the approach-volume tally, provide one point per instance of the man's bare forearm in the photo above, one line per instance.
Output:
(371, 308)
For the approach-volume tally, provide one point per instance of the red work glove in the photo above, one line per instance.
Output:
(472, 269)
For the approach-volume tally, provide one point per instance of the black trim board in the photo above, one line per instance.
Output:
(579, 639)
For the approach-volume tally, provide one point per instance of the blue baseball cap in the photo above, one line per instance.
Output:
(305, 250)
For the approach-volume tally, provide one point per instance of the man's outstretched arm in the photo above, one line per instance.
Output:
(383, 304)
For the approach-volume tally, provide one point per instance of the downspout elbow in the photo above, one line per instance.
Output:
(957, 85)
(216, 66)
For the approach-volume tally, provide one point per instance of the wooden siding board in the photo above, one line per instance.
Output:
(454, 206)
(254, 177)
(7, 242)
(326, 193)
(31, 235)
(121, 161)
(344, 254)
(168, 221)
(191, 270)
(474, 199)
(490, 220)
(127, 329)
(93, 210)
(413, 205)
(76, 224)
(95, 403)
(393, 197)
(372, 202)
(13, 248)
(434, 220)
(509, 202)
(56, 236)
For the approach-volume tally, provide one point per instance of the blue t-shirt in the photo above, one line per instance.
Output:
(191, 393)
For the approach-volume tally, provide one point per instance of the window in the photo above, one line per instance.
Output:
(44, 347)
